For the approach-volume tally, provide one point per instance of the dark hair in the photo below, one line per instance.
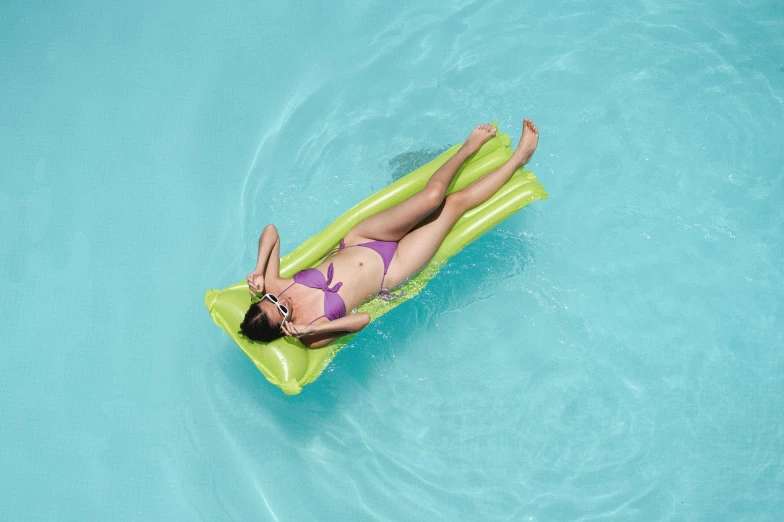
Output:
(257, 326)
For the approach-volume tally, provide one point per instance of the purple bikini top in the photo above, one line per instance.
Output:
(334, 307)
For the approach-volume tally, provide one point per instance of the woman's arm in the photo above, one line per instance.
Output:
(268, 260)
(323, 333)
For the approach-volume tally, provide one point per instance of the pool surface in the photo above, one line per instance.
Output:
(611, 353)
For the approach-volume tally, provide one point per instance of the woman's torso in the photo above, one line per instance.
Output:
(359, 269)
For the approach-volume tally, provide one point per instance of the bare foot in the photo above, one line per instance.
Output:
(478, 137)
(528, 141)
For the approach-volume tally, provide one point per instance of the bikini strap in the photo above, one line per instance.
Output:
(385, 295)
(336, 249)
(292, 284)
(316, 319)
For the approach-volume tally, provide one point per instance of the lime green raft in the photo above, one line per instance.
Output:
(286, 362)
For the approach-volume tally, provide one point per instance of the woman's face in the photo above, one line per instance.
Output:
(270, 309)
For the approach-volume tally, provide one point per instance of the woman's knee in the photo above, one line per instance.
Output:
(433, 195)
(457, 202)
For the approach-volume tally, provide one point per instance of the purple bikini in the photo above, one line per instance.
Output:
(334, 307)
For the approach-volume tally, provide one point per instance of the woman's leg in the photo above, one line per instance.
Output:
(395, 222)
(419, 246)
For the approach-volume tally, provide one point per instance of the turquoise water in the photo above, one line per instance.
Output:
(612, 353)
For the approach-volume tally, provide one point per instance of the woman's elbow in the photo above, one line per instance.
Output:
(361, 320)
(364, 320)
(269, 231)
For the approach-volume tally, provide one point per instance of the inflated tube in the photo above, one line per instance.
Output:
(286, 362)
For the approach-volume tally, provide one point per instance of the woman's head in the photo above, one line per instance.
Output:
(263, 322)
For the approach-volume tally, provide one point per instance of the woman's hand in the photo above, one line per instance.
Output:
(256, 282)
(296, 330)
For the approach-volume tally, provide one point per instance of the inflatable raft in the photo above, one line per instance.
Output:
(286, 362)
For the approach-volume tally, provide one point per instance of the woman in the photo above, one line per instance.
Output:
(381, 251)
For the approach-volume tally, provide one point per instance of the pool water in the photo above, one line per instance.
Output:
(611, 353)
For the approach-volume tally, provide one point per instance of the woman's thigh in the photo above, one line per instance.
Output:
(419, 246)
(395, 222)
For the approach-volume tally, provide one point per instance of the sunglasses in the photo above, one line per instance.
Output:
(283, 309)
